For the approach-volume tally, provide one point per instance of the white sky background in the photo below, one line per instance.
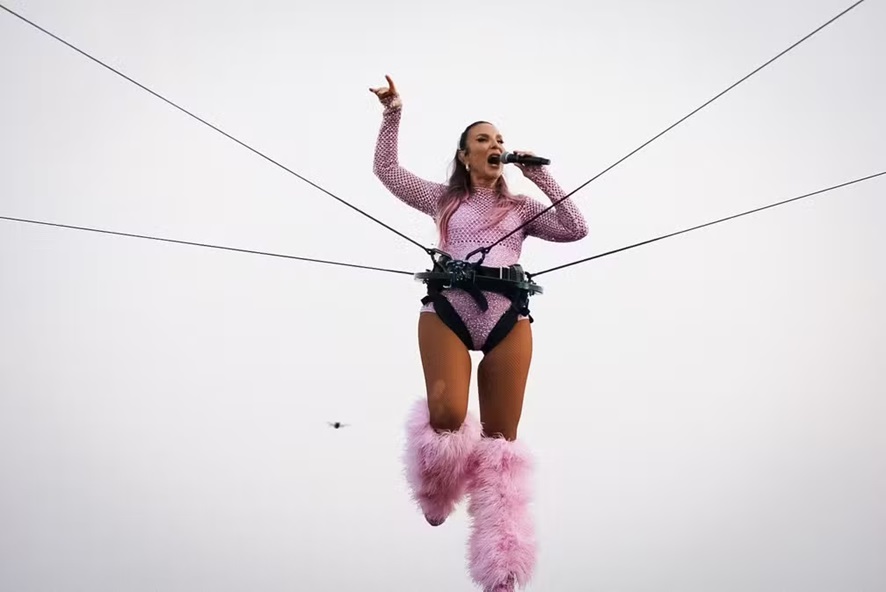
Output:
(707, 412)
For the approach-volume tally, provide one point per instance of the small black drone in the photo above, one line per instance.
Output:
(337, 424)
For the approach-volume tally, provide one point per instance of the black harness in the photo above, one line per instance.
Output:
(510, 281)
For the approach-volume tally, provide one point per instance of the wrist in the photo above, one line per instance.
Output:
(534, 171)
(392, 102)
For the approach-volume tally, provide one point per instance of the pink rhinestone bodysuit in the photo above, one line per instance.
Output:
(468, 227)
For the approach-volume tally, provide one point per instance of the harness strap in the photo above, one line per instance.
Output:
(519, 306)
(448, 315)
(510, 281)
(501, 329)
(474, 290)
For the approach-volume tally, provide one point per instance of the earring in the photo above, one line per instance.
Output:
(468, 167)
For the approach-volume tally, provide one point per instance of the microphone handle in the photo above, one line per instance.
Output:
(535, 160)
(531, 160)
(526, 159)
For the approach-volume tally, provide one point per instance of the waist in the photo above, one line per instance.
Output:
(512, 272)
(500, 255)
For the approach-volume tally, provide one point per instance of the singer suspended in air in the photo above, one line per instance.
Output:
(477, 301)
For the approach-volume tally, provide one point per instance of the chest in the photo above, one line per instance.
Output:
(481, 222)
(487, 215)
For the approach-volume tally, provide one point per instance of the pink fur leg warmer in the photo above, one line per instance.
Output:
(436, 462)
(502, 546)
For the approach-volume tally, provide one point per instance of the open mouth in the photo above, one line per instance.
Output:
(494, 160)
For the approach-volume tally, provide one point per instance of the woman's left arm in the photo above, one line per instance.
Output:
(564, 222)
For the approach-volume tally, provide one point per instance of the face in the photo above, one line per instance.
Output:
(484, 141)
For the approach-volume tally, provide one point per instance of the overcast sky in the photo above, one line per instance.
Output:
(707, 412)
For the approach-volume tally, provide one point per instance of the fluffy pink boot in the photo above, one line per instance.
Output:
(436, 462)
(502, 547)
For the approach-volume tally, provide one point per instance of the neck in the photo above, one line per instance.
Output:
(485, 182)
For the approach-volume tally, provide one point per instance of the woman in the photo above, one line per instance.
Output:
(448, 453)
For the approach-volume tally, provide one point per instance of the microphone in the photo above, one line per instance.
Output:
(508, 157)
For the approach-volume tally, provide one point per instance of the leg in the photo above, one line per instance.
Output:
(502, 546)
(440, 433)
(501, 380)
(447, 368)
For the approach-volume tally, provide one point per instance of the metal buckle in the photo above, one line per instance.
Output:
(461, 271)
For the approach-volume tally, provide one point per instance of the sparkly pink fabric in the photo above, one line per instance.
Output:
(468, 226)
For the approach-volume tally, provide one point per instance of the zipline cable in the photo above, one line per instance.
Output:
(194, 244)
(183, 110)
(485, 250)
(543, 211)
(397, 271)
(652, 240)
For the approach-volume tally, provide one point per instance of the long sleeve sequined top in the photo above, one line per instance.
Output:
(468, 228)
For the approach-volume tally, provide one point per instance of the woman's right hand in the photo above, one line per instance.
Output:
(385, 93)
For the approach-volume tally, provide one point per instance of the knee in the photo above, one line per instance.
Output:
(447, 413)
(447, 417)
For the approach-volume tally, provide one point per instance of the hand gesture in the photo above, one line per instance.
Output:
(385, 93)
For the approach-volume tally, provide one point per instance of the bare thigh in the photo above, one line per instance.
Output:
(447, 368)
(501, 380)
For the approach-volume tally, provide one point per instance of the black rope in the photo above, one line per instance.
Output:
(673, 125)
(652, 240)
(13, 13)
(181, 242)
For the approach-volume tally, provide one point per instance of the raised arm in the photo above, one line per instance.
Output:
(564, 222)
(408, 187)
